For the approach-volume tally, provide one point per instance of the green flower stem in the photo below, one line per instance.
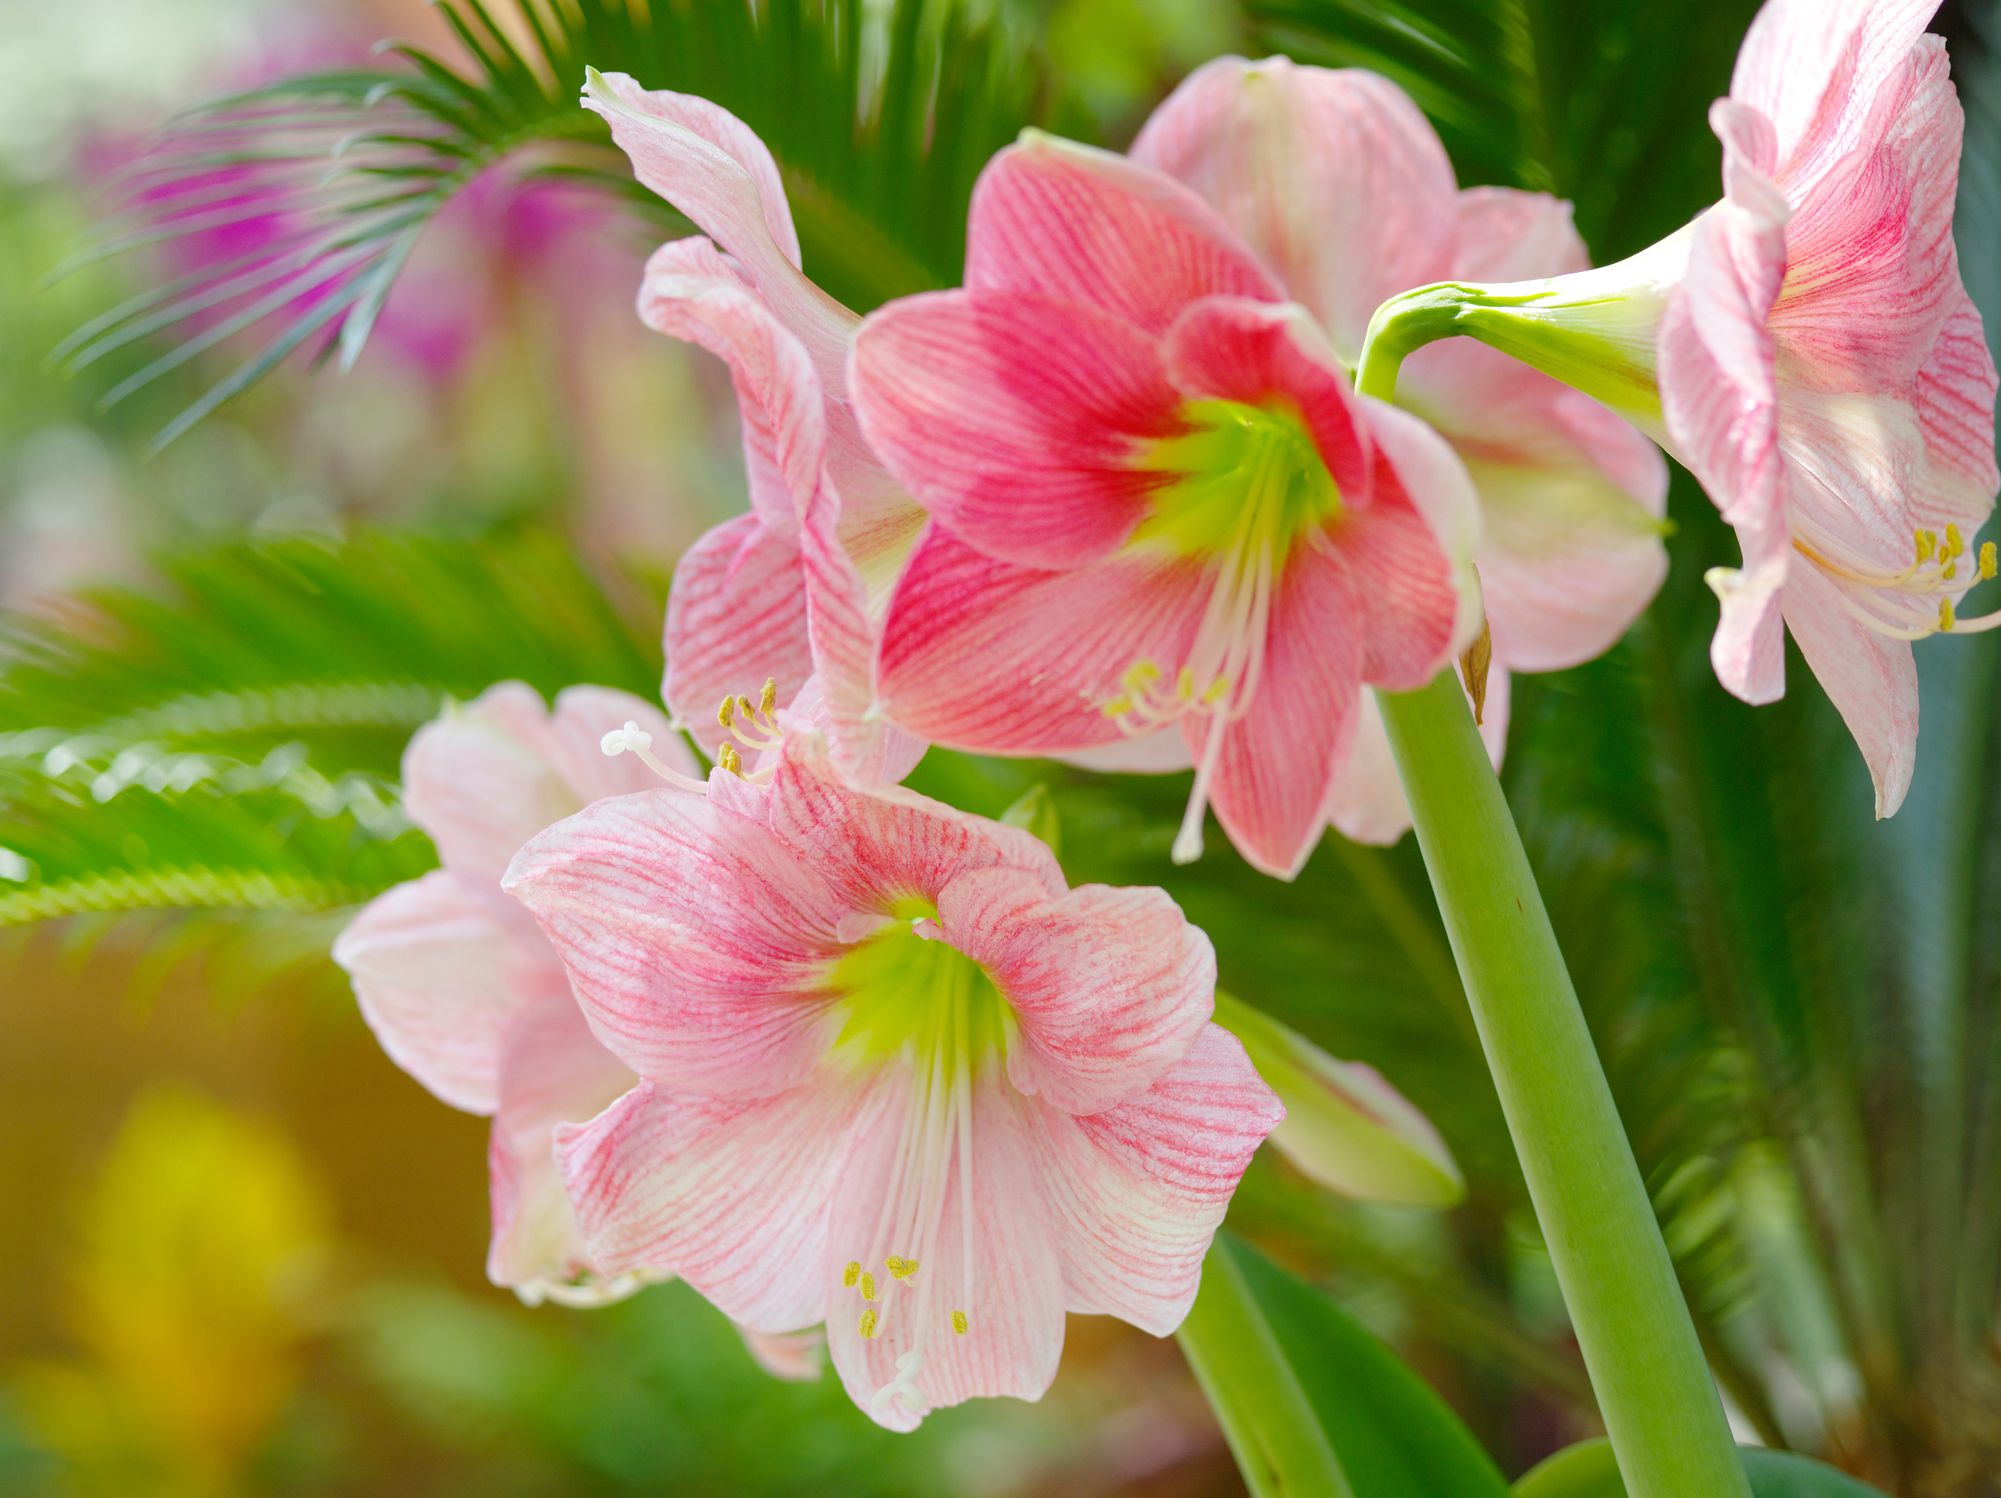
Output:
(1654, 1389)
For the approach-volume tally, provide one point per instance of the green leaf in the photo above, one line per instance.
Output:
(1588, 1470)
(1034, 811)
(879, 122)
(1310, 1402)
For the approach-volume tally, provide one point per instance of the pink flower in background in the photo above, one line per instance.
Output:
(1341, 187)
(898, 1078)
(796, 587)
(1806, 347)
(459, 985)
(1157, 507)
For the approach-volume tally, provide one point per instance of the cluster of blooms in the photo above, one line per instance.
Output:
(842, 1056)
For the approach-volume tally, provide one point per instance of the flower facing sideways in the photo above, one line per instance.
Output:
(1156, 505)
(1341, 187)
(1806, 347)
(459, 985)
(897, 1077)
(799, 582)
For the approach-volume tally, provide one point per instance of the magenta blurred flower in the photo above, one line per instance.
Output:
(1157, 506)
(1806, 347)
(798, 584)
(899, 1078)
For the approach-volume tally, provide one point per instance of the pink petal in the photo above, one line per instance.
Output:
(1138, 1191)
(713, 168)
(867, 848)
(1368, 804)
(1748, 651)
(1004, 1273)
(733, 1196)
(1506, 234)
(480, 782)
(1109, 986)
(1334, 178)
(1082, 225)
(796, 1357)
(691, 293)
(1870, 271)
(1014, 419)
(984, 655)
(552, 1072)
(696, 944)
(1408, 553)
(1267, 355)
(1277, 764)
(736, 614)
(442, 971)
(1814, 67)
(1955, 410)
(1872, 681)
(1571, 496)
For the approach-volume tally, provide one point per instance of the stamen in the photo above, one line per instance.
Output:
(1987, 566)
(636, 741)
(871, 1318)
(768, 698)
(729, 759)
(726, 712)
(852, 1273)
(899, 1268)
(1945, 618)
(868, 1285)
(959, 1323)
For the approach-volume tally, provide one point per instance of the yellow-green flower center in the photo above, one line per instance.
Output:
(907, 992)
(1243, 475)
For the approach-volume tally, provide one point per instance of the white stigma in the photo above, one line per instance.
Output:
(636, 741)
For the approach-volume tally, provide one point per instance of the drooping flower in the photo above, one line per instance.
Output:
(798, 584)
(1339, 184)
(1156, 504)
(898, 1078)
(459, 985)
(1806, 347)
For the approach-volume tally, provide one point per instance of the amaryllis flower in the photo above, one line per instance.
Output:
(1343, 189)
(1156, 503)
(459, 985)
(898, 1078)
(798, 584)
(1806, 347)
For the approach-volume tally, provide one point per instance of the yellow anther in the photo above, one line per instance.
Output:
(1217, 688)
(726, 712)
(729, 759)
(1119, 706)
(1927, 544)
(900, 1268)
(852, 1273)
(1949, 571)
(868, 1285)
(768, 698)
(1954, 546)
(1139, 676)
(959, 1323)
(1184, 685)
(743, 706)
(870, 1318)
(1987, 566)
(1945, 616)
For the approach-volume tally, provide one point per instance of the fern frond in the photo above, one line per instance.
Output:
(879, 125)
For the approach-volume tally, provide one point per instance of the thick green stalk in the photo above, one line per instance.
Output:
(1654, 1388)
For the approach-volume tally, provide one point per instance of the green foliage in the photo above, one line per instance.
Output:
(1275, 1355)
(229, 739)
(879, 125)
(1589, 1471)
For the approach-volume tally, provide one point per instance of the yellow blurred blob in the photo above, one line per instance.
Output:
(198, 1255)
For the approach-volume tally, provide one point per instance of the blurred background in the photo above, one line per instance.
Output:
(240, 1253)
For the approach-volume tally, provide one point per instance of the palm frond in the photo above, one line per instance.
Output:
(327, 182)
(229, 740)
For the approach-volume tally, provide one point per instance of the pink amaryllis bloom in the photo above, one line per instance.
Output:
(1807, 348)
(899, 1078)
(1341, 187)
(1156, 503)
(798, 584)
(462, 989)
